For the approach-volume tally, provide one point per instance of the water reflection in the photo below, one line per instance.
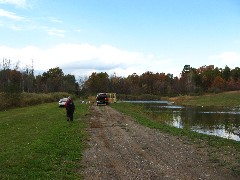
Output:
(219, 121)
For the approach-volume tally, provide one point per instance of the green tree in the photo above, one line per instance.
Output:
(226, 73)
(186, 80)
(235, 74)
(147, 81)
(115, 83)
(69, 84)
(98, 82)
(134, 82)
(53, 80)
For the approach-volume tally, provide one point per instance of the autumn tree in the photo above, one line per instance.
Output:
(207, 76)
(10, 79)
(115, 83)
(134, 84)
(98, 82)
(147, 81)
(218, 83)
(160, 83)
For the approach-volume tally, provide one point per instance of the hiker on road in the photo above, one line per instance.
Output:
(70, 107)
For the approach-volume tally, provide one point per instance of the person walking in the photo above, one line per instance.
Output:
(70, 108)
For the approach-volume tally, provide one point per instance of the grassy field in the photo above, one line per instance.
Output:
(230, 99)
(223, 152)
(38, 143)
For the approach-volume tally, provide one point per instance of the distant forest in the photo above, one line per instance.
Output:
(193, 81)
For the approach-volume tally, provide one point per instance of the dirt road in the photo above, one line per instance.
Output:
(119, 148)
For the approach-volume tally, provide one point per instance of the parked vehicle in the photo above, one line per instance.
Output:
(62, 102)
(112, 98)
(102, 98)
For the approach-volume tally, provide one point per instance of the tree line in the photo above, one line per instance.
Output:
(13, 79)
(191, 81)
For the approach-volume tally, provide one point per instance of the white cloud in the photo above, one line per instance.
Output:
(83, 59)
(16, 28)
(55, 20)
(10, 15)
(78, 30)
(18, 3)
(231, 59)
(56, 32)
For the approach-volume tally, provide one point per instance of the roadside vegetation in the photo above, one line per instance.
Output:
(222, 152)
(14, 100)
(38, 143)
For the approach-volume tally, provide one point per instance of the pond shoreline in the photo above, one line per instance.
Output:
(219, 121)
(224, 152)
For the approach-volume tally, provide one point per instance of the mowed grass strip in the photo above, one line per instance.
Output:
(38, 143)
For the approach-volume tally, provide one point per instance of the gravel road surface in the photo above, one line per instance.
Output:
(120, 148)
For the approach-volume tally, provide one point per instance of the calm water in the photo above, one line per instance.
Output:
(219, 121)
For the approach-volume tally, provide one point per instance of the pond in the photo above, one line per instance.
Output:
(219, 121)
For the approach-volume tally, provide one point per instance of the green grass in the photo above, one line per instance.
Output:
(38, 143)
(230, 99)
(144, 117)
(222, 151)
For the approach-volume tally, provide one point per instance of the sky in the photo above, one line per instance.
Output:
(120, 36)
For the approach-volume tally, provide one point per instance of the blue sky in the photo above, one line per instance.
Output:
(121, 36)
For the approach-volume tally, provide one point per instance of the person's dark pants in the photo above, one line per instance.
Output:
(69, 116)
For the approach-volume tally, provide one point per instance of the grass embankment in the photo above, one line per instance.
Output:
(222, 151)
(9, 101)
(230, 99)
(38, 143)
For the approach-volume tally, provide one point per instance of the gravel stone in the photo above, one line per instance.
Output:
(120, 148)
